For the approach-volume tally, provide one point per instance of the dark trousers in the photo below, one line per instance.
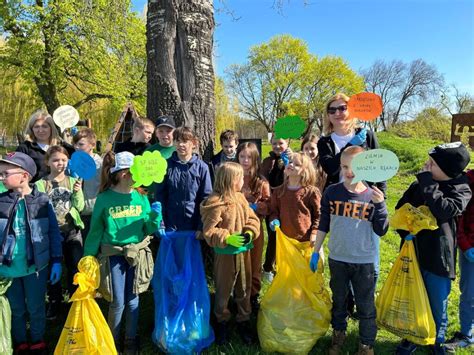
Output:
(268, 265)
(73, 251)
(362, 278)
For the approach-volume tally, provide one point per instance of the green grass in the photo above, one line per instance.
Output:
(412, 154)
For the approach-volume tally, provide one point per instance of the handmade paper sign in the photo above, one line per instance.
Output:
(148, 168)
(365, 106)
(289, 127)
(82, 165)
(374, 165)
(65, 116)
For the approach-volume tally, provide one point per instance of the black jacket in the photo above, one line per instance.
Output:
(436, 250)
(38, 155)
(136, 148)
(331, 162)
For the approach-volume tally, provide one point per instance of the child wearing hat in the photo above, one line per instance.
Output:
(29, 241)
(443, 187)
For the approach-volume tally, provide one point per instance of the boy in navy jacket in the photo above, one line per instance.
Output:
(29, 242)
(443, 187)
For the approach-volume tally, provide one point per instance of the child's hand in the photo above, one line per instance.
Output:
(312, 240)
(469, 254)
(313, 263)
(377, 195)
(236, 240)
(409, 237)
(77, 185)
(55, 276)
(273, 224)
(156, 207)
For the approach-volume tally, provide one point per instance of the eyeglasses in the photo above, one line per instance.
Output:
(5, 175)
(332, 110)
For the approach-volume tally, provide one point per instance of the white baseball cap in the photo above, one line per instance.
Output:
(123, 160)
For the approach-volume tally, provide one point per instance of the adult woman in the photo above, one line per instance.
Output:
(340, 132)
(40, 134)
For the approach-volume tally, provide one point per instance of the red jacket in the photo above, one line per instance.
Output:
(466, 223)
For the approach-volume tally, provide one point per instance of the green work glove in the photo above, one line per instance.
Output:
(236, 240)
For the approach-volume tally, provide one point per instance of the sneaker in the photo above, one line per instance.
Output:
(52, 310)
(22, 349)
(365, 349)
(255, 304)
(337, 342)
(131, 346)
(221, 330)
(268, 276)
(246, 332)
(459, 340)
(405, 348)
(38, 348)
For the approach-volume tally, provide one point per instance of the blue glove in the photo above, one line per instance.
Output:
(284, 157)
(469, 254)
(273, 224)
(161, 233)
(253, 206)
(156, 207)
(74, 131)
(313, 263)
(55, 273)
(409, 237)
(359, 138)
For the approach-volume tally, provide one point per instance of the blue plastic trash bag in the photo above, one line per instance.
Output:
(182, 305)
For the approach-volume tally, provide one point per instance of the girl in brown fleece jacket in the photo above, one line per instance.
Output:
(297, 202)
(229, 226)
(256, 190)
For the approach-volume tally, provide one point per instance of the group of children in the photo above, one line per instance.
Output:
(226, 203)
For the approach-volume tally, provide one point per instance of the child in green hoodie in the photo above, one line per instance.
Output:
(121, 221)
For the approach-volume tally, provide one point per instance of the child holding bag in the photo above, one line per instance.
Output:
(121, 221)
(229, 226)
(257, 192)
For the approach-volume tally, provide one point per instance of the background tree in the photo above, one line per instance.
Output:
(455, 101)
(226, 110)
(83, 49)
(401, 86)
(180, 73)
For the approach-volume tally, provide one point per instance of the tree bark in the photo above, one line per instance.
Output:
(180, 73)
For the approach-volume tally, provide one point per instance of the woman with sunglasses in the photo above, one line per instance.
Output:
(339, 132)
(40, 134)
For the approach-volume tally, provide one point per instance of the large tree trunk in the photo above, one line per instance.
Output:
(180, 74)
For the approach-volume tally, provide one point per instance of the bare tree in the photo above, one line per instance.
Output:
(400, 85)
(454, 101)
(180, 73)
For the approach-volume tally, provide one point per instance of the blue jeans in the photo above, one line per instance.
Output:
(362, 278)
(438, 289)
(27, 294)
(122, 287)
(466, 301)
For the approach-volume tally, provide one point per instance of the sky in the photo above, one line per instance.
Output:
(441, 32)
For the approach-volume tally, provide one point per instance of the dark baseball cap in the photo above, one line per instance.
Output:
(165, 121)
(21, 160)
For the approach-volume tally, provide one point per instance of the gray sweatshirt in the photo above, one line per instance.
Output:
(352, 220)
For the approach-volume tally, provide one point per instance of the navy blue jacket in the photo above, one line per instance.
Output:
(43, 236)
(185, 186)
(436, 250)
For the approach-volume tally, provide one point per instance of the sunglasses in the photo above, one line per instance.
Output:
(332, 110)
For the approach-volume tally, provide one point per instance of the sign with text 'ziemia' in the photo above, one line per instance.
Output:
(375, 165)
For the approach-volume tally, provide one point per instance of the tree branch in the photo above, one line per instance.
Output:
(91, 97)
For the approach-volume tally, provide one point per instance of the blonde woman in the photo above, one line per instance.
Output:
(40, 134)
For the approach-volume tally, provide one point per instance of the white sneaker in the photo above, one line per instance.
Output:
(267, 276)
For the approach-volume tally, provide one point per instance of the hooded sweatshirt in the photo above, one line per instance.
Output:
(222, 217)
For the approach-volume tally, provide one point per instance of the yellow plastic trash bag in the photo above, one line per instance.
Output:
(402, 306)
(413, 219)
(86, 331)
(296, 309)
(5, 318)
